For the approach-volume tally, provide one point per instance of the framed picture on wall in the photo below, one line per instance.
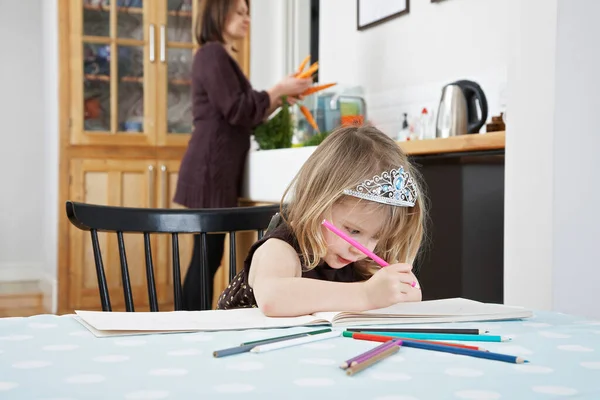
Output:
(370, 13)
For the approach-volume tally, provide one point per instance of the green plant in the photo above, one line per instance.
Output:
(277, 132)
(316, 139)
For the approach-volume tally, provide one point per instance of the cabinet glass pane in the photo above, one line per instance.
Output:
(179, 111)
(130, 19)
(179, 21)
(96, 18)
(131, 88)
(96, 87)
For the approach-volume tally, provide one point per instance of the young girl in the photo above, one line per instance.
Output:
(226, 108)
(359, 180)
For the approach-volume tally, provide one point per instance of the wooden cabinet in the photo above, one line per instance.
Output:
(125, 121)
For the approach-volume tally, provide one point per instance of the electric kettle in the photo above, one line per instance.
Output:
(457, 112)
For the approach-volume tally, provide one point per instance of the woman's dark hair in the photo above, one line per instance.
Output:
(212, 16)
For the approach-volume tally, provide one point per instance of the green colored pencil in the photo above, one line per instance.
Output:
(442, 336)
(296, 335)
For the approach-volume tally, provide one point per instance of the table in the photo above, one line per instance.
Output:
(54, 357)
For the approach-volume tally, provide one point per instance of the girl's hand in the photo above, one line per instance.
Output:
(392, 284)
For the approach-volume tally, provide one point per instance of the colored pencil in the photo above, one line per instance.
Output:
(444, 336)
(280, 338)
(246, 347)
(233, 350)
(464, 331)
(366, 354)
(359, 246)
(380, 338)
(294, 342)
(365, 357)
(465, 352)
(376, 358)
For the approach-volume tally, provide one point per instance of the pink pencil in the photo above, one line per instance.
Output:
(359, 246)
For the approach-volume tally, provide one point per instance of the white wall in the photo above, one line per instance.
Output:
(403, 64)
(48, 283)
(528, 256)
(575, 190)
(22, 155)
(279, 39)
(552, 219)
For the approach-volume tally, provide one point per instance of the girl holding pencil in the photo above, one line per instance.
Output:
(347, 237)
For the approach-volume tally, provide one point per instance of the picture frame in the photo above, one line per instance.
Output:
(370, 13)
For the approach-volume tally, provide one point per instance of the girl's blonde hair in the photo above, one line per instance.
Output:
(345, 159)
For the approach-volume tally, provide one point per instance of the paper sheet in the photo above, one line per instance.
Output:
(173, 321)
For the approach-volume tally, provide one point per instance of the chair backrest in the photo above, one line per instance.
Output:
(97, 218)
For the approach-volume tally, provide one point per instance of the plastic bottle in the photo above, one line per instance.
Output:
(404, 133)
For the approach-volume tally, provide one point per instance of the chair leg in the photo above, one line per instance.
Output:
(204, 274)
(102, 285)
(177, 295)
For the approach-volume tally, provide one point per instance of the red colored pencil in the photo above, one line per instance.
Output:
(381, 338)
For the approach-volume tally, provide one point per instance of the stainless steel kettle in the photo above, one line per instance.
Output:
(457, 113)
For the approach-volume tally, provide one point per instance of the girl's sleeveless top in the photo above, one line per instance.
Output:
(239, 294)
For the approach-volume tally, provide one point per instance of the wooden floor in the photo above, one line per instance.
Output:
(21, 304)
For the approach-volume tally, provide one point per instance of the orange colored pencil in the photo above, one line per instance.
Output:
(381, 338)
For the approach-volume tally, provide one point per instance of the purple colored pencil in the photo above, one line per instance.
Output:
(370, 353)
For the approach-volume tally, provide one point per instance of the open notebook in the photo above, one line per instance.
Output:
(434, 311)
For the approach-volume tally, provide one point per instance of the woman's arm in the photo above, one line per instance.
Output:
(238, 105)
(280, 290)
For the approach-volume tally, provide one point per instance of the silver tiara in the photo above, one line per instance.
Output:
(395, 187)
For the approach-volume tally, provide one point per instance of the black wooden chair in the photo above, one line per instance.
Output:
(119, 220)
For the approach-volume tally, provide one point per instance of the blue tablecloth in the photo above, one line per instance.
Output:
(52, 357)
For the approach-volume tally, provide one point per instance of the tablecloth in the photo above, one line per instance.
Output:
(55, 357)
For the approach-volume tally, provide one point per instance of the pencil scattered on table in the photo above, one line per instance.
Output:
(372, 360)
(382, 338)
(444, 336)
(262, 348)
(367, 354)
(464, 331)
(465, 352)
(286, 337)
(246, 347)
(454, 348)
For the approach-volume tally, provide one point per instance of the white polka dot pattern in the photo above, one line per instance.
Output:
(555, 390)
(55, 358)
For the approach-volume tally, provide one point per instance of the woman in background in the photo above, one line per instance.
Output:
(225, 109)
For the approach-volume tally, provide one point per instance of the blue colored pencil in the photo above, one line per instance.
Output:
(465, 352)
(442, 336)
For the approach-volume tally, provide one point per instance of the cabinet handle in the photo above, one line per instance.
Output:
(163, 189)
(152, 46)
(151, 185)
(163, 43)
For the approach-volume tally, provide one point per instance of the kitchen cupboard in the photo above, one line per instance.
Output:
(125, 120)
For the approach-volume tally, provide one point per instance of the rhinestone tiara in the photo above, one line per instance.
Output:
(395, 187)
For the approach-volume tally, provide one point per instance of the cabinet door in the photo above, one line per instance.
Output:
(128, 183)
(113, 72)
(176, 43)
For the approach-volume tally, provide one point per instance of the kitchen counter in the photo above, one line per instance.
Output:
(455, 144)
(268, 173)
